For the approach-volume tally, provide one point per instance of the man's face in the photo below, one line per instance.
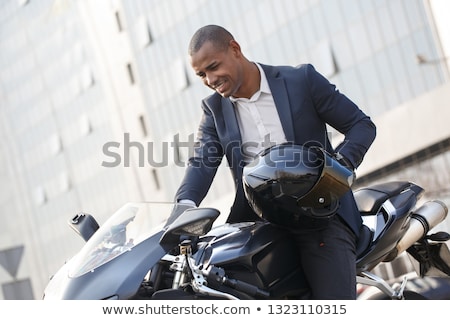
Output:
(220, 70)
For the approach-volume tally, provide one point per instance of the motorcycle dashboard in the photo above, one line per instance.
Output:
(127, 227)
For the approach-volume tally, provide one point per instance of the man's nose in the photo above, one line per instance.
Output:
(210, 79)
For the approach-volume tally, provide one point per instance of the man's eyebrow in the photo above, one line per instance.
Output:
(208, 67)
(211, 65)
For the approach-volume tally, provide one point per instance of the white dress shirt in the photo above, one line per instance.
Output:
(258, 120)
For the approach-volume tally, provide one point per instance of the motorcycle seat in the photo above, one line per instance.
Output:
(369, 199)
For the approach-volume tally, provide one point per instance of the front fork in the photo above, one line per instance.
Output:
(187, 273)
(181, 266)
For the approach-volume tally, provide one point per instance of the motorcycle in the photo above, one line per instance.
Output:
(131, 256)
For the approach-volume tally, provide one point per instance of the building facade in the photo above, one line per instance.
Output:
(98, 103)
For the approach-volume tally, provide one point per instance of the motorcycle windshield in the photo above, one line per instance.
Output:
(126, 228)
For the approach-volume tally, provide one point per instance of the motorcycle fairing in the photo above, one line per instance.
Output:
(118, 279)
(259, 247)
(101, 270)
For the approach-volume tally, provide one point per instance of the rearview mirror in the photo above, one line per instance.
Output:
(84, 224)
(193, 222)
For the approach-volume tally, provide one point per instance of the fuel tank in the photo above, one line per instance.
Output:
(255, 252)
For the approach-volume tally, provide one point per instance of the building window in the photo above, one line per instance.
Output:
(156, 179)
(64, 182)
(143, 33)
(85, 125)
(180, 79)
(118, 21)
(55, 144)
(86, 78)
(323, 59)
(23, 2)
(40, 196)
(130, 73)
(143, 125)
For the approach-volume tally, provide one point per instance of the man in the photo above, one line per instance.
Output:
(255, 105)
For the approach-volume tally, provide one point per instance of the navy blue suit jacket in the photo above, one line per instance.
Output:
(306, 101)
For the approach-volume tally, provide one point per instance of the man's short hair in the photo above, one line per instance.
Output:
(217, 35)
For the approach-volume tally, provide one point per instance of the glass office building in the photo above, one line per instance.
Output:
(98, 103)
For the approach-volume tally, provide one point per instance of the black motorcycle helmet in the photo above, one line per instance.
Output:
(288, 181)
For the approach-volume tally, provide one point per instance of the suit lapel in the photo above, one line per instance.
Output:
(232, 129)
(280, 96)
(231, 123)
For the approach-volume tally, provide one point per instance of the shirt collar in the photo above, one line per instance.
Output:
(264, 85)
(263, 88)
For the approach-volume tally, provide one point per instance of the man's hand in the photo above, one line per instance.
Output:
(178, 209)
(343, 161)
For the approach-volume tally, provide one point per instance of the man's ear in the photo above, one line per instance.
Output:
(235, 47)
